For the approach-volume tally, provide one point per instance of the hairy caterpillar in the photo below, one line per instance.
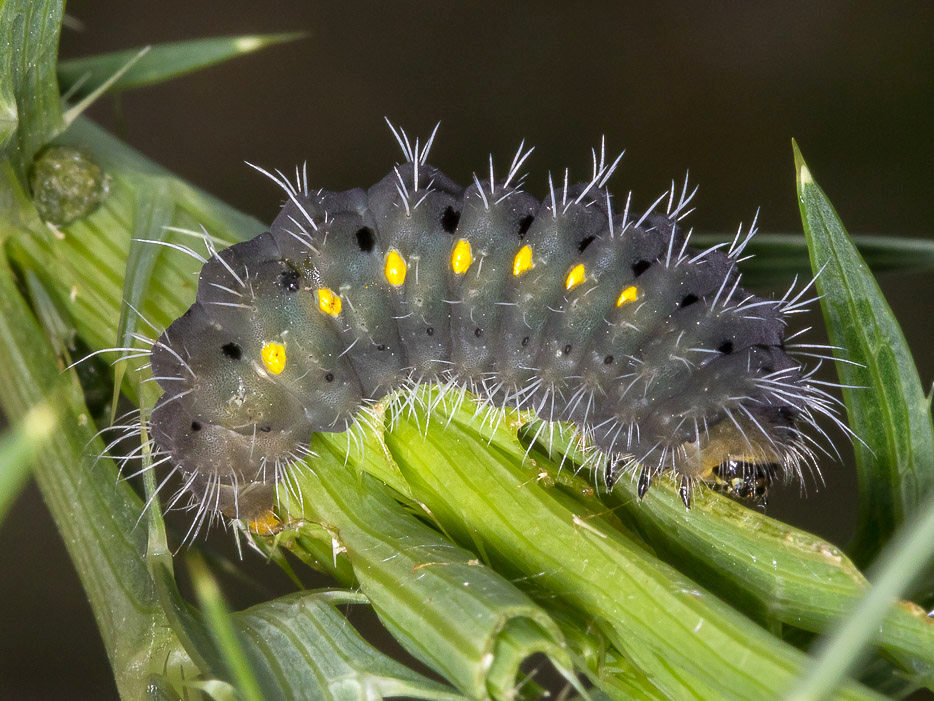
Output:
(579, 311)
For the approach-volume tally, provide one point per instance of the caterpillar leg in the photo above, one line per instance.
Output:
(611, 471)
(643, 485)
(686, 491)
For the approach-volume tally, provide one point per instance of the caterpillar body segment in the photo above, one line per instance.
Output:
(571, 307)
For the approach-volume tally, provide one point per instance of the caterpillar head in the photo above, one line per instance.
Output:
(223, 420)
(745, 482)
(212, 453)
(728, 449)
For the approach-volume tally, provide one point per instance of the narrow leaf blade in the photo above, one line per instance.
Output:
(891, 416)
(163, 62)
(221, 626)
(437, 599)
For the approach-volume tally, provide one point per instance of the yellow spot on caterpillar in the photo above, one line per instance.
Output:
(328, 302)
(522, 261)
(273, 355)
(461, 257)
(577, 275)
(630, 294)
(395, 268)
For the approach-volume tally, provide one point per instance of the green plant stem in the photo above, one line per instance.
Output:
(902, 561)
(95, 513)
(773, 571)
(769, 570)
(30, 113)
(684, 639)
(442, 604)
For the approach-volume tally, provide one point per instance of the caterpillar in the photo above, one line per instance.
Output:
(571, 307)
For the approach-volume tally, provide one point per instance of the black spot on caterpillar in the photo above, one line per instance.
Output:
(449, 220)
(569, 307)
(232, 351)
(524, 224)
(366, 239)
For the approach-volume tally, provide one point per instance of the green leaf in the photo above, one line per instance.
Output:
(155, 209)
(82, 76)
(77, 110)
(885, 401)
(30, 111)
(50, 314)
(320, 655)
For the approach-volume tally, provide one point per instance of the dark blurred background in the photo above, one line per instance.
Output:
(718, 88)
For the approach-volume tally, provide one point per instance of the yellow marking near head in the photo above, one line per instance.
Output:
(522, 261)
(630, 294)
(395, 268)
(461, 257)
(273, 355)
(577, 275)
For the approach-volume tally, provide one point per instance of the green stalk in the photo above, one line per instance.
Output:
(900, 564)
(95, 513)
(438, 600)
(683, 638)
(774, 571)
(769, 570)
(318, 654)
(30, 113)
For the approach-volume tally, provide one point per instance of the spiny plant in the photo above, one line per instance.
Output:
(479, 554)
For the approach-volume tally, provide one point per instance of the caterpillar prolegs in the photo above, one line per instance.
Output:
(573, 307)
